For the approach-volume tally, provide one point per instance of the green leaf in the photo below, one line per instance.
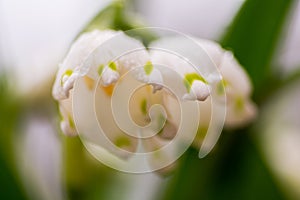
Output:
(277, 83)
(9, 186)
(84, 176)
(291, 78)
(235, 170)
(254, 35)
(117, 17)
(9, 111)
(111, 17)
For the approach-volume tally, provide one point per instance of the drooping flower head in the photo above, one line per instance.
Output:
(100, 63)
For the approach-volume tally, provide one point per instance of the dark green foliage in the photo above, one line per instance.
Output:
(235, 170)
(253, 37)
(9, 109)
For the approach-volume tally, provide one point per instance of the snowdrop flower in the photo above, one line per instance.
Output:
(75, 66)
(234, 85)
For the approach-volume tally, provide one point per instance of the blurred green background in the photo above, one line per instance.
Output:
(261, 161)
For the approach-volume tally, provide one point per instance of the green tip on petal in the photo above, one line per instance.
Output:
(100, 69)
(148, 68)
(68, 72)
(122, 141)
(144, 106)
(112, 66)
(161, 120)
(157, 155)
(71, 122)
(201, 133)
(239, 104)
(190, 78)
(61, 117)
(221, 87)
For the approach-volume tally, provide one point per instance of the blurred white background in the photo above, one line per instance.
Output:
(35, 34)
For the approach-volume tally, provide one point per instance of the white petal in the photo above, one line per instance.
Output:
(172, 105)
(236, 77)
(167, 59)
(97, 48)
(76, 57)
(240, 115)
(134, 59)
(67, 122)
(164, 160)
(95, 121)
(199, 91)
(213, 50)
(187, 56)
(109, 76)
(156, 80)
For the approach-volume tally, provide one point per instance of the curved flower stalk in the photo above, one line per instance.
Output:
(109, 55)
